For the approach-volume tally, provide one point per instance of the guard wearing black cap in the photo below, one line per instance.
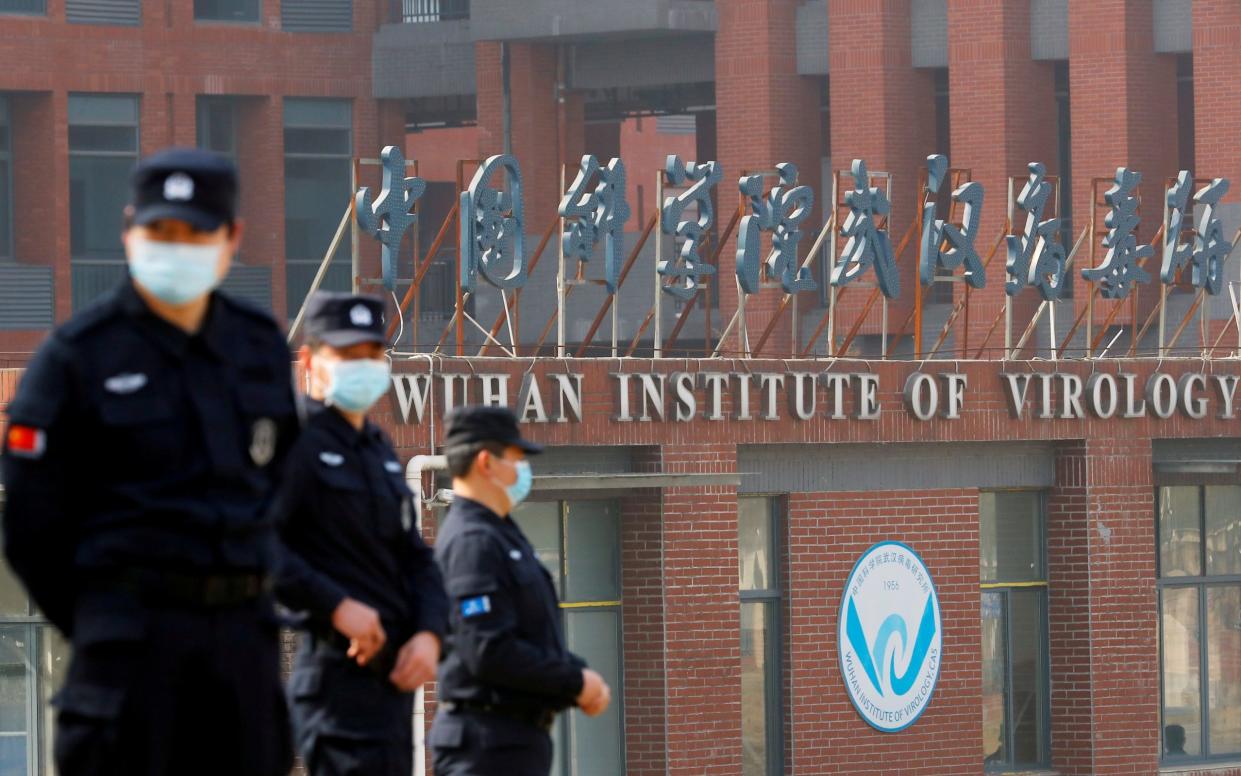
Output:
(355, 564)
(506, 672)
(142, 455)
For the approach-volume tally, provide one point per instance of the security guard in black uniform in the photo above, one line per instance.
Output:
(355, 564)
(140, 461)
(506, 671)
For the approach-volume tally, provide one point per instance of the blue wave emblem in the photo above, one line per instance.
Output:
(872, 657)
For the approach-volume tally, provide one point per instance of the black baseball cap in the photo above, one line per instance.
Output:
(186, 184)
(341, 320)
(481, 423)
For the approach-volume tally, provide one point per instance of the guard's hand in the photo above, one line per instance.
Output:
(595, 696)
(416, 662)
(360, 624)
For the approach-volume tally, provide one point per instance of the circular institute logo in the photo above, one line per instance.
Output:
(890, 636)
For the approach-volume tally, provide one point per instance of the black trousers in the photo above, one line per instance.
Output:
(164, 691)
(349, 720)
(472, 744)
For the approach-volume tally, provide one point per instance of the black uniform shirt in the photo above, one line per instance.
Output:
(347, 521)
(506, 644)
(133, 444)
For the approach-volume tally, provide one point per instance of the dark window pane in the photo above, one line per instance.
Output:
(1182, 702)
(1010, 537)
(1180, 525)
(311, 216)
(6, 206)
(1223, 530)
(540, 521)
(98, 193)
(114, 109)
(317, 141)
(217, 128)
(592, 546)
(13, 601)
(304, 112)
(23, 6)
(227, 10)
(103, 138)
(598, 742)
(758, 684)
(755, 544)
(1224, 668)
(994, 681)
(1029, 678)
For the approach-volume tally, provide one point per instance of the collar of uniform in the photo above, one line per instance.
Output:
(216, 331)
(477, 510)
(336, 424)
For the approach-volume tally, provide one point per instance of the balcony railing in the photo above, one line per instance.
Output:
(424, 11)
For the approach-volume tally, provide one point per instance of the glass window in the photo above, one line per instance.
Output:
(578, 542)
(217, 125)
(1015, 685)
(1199, 531)
(762, 736)
(226, 10)
(33, 659)
(318, 142)
(103, 148)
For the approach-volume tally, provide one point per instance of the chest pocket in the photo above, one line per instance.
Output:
(140, 432)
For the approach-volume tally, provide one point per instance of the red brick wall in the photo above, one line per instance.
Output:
(765, 114)
(701, 614)
(1003, 117)
(1217, 90)
(1121, 92)
(881, 111)
(827, 532)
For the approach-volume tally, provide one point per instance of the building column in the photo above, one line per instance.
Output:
(642, 616)
(40, 145)
(547, 124)
(1121, 93)
(702, 615)
(260, 157)
(1216, 104)
(1003, 111)
(881, 109)
(765, 114)
(1103, 610)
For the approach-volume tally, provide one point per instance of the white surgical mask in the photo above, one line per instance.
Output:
(355, 385)
(174, 272)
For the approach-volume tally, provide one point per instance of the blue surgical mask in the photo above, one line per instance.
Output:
(356, 385)
(520, 489)
(175, 273)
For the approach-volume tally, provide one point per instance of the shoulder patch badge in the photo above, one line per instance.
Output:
(475, 607)
(25, 442)
(263, 441)
(331, 459)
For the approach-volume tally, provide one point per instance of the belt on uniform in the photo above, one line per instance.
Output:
(543, 719)
(211, 591)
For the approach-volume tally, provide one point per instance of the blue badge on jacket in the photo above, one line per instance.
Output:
(473, 607)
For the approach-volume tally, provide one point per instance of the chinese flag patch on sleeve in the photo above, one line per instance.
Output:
(26, 441)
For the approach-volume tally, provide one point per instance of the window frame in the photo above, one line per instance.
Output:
(1006, 589)
(562, 734)
(1201, 583)
(772, 596)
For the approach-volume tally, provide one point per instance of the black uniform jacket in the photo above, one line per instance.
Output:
(134, 445)
(346, 519)
(506, 644)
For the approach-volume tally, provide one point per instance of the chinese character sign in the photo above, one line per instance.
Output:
(1210, 245)
(868, 245)
(1120, 268)
(935, 232)
(492, 238)
(689, 268)
(594, 211)
(1176, 254)
(389, 217)
(780, 212)
(1036, 257)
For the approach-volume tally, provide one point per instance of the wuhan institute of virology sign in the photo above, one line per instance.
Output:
(890, 636)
